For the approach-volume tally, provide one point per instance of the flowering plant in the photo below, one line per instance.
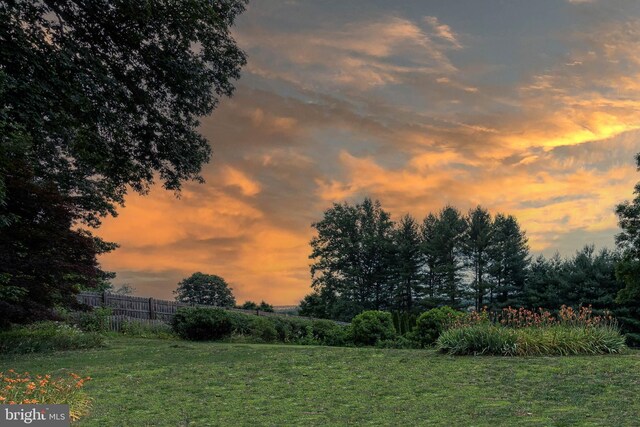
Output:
(24, 388)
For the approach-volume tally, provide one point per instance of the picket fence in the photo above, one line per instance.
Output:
(126, 308)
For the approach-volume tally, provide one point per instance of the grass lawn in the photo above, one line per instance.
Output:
(144, 382)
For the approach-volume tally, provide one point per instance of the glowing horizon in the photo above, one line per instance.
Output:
(528, 109)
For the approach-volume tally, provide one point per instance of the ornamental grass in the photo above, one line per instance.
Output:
(522, 332)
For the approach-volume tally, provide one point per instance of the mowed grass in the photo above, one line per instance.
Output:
(146, 382)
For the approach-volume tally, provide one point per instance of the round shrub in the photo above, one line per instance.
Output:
(432, 323)
(369, 327)
(200, 324)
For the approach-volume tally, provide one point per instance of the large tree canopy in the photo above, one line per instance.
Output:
(96, 97)
(108, 93)
(208, 289)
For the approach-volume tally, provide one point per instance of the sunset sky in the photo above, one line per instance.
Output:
(526, 107)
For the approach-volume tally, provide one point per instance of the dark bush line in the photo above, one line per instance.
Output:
(201, 324)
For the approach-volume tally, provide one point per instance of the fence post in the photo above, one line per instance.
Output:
(152, 313)
(104, 298)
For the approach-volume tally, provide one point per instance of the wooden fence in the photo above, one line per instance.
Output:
(152, 310)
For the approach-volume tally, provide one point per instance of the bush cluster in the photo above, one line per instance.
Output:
(47, 336)
(215, 324)
(510, 333)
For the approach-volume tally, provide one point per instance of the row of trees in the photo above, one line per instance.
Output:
(363, 260)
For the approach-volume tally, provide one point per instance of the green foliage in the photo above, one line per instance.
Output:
(445, 247)
(263, 306)
(191, 323)
(44, 260)
(106, 110)
(263, 329)
(97, 98)
(558, 340)
(508, 262)
(326, 332)
(477, 242)
(370, 327)
(45, 337)
(404, 322)
(628, 268)
(432, 323)
(133, 328)
(206, 289)
(478, 339)
(351, 254)
(200, 324)
(248, 305)
(406, 264)
(95, 320)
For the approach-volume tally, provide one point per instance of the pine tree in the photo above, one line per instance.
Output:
(476, 244)
(407, 263)
(509, 258)
(431, 277)
(450, 228)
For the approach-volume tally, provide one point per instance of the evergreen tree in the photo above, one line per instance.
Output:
(432, 278)
(509, 258)
(407, 263)
(628, 268)
(450, 228)
(476, 244)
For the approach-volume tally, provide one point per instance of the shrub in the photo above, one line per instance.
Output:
(431, 323)
(263, 329)
(240, 323)
(19, 389)
(297, 331)
(326, 332)
(369, 327)
(95, 320)
(47, 336)
(531, 341)
(199, 324)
